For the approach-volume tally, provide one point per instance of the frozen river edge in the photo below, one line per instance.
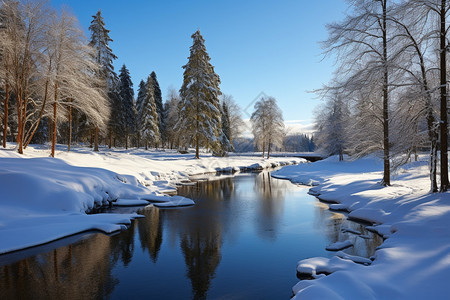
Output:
(412, 262)
(45, 199)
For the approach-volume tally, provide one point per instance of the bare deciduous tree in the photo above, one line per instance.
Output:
(267, 124)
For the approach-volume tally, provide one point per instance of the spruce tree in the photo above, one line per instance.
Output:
(142, 92)
(104, 56)
(158, 102)
(127, 97)
(148, 117)
(200, 107)
(225, 137)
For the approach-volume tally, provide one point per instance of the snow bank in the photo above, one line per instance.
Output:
(44, 199)
(412, 263)
(339, 245)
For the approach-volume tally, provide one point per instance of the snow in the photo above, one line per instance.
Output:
(129, 202)
(414, 260)
(339, 245)
(44, 199)
(175, 202)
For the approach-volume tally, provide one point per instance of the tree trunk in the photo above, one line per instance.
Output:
(41, 113)
(263, 149)
(268, 150)
(54, 122)
(96, 139)
(19, 124)
(386, 157)
(110, 139)
(5, 121)
(69, 140)
(126, 140)
(443, 93)
(197, 152)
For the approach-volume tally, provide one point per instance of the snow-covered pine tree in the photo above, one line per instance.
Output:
(104, 56)
(115, 122)
(225, 138)
(200, 107)
(142, 92)
(148, 117)
(127, 96)
(158, 102)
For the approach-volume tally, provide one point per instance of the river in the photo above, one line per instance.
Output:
(241, 240)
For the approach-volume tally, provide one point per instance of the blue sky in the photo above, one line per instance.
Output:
(255, 46)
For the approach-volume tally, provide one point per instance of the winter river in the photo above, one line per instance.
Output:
(241, 240)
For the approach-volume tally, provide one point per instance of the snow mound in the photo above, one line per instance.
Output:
(129, 202)
(339, 245)
(354, 258)
(322, 265)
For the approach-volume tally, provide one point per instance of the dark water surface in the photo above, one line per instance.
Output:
(241, 240)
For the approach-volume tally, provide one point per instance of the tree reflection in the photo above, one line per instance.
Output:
(270, 204)
(71, 272)
(150, 232)
(201, 251)
(122, 245)
(201, 231)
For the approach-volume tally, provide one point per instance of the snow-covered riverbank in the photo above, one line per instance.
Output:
(414, 260)
(44, 199)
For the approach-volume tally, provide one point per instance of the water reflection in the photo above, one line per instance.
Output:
(241, 240)
(151, 233)
(340, 229)
(83, 271)
(270, 204)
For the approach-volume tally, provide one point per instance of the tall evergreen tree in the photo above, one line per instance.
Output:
(142, 92)
(158, 102)
(104, 56)
(127, 97)
(200, 107)
(148, 116)
(225, 138)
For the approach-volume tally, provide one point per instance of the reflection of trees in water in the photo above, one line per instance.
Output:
(271, 204)
(122, 245)
(82, 271)
(150, 232)
(201, 251)
(201, 231)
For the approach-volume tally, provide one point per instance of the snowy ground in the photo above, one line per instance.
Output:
(414, 260)
(44, 199)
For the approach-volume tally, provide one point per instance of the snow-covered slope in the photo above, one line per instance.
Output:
(414, 260)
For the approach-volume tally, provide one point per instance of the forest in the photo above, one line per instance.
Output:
(389, 90)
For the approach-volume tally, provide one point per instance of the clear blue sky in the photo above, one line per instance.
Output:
(255, 46)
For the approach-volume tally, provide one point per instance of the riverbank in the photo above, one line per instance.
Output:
(44, 199)
(414, 260)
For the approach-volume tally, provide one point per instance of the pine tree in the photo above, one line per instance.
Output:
(148, 117)
(127, 97)
(142, 92)
(158, 102)
(200, 107)
(225, 136)
(115, 124)
(100, 40)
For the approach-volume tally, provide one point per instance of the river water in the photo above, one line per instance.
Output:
(241, 240)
